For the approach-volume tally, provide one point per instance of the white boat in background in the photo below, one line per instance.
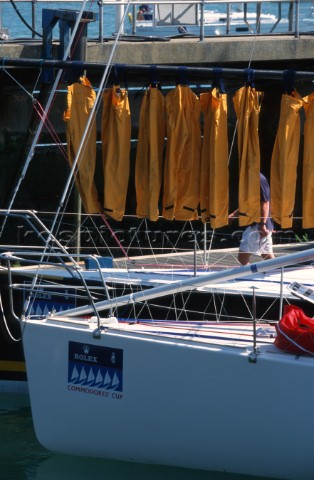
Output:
(212, 17)
(248, 400)
(186, 17)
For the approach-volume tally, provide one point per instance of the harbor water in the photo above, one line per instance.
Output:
(271, 11)
(23, 458)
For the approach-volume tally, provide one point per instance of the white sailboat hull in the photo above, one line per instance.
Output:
(173, 400)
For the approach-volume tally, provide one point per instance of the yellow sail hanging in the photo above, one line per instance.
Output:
(183, 153)
(116, 141)
(308, 165)
(247, 104)
(149, 154)
(283, 174)
(214, 187)
(80, 101)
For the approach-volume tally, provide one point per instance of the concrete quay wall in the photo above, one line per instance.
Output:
(210, 51)
(187, 51)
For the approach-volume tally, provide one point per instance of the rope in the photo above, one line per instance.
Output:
(11, 336)
(23, 19)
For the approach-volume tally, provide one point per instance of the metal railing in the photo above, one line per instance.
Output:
(194, 17)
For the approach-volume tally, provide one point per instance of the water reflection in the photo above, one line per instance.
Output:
(75, 468)
(23, 458)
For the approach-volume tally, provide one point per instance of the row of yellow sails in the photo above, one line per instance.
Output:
(194, 176)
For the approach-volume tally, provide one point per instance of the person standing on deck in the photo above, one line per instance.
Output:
(257, 238)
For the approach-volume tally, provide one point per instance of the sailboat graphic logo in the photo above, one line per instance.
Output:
(43, 303)
(94, 366)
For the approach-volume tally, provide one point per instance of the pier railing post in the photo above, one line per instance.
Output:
(297, 17)
(202, 30)
(101, 21)
(34, 17)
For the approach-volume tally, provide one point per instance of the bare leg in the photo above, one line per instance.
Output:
(244, 258)
(268, 256)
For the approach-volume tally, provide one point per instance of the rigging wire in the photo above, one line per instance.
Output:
(36, 86)
(254, 42)
(11, 336)
(41, 125)
(42, 114)
(91, 119)
(39, 129)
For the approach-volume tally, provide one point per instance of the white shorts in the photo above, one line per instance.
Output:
(252, 242)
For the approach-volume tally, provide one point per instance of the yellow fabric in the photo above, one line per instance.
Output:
(284, 160)
(214, 195)
(308, 165)
(116, 141)
(183, 154)
(149, 154)
(247, 104)
(80, 101)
